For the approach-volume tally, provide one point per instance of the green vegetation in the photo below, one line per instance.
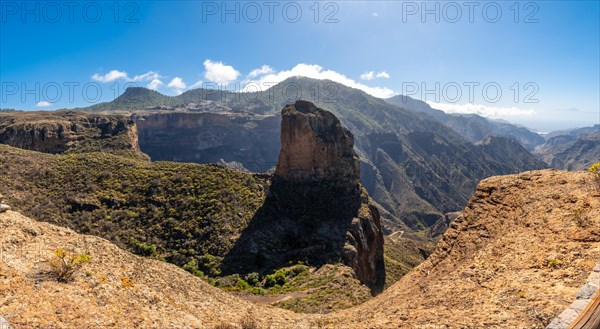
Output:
(64, 264)
(187, 214)
(595, 171)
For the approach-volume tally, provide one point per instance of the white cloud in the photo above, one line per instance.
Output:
(265, 69)
(370, 75)
(218, 72)
(317, 72)
(177, 84)
(110, 76)
(375, 14)
(43, 104)
(265, 77)
(154, 84)
(116, 75)
(148, 76)
(483, 110)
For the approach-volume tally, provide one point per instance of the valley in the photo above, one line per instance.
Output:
(299, 165)
(506, 261)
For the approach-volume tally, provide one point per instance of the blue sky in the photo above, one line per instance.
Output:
(547, 51)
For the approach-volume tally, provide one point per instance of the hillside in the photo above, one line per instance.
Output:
(571, 151)
(115, 289)
(415, 167)
(515, 259)
(473, 127)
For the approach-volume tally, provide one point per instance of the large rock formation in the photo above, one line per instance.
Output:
(315, 147)
(316, 211)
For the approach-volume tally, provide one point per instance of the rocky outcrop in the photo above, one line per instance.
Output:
(3, 207)
(68, 131)
(316, 211)
(316, 147)
(515, 258)
(442, 224)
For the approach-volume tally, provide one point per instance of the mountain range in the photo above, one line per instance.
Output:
(413, 165)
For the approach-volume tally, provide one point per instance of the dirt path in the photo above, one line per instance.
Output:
(272, 299)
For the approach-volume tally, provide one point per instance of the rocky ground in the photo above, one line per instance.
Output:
(515, 258)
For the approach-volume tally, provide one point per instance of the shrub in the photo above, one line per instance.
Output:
(278, 277)
(192, 267)
(248, 323)
(252, 278)
(242, 285)
(595, 171)
(126, 282)
(145, 249)
(64, 265)
(297, 270)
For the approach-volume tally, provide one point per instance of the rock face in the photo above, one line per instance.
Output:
(315, 147)
(210, 138)
(317, 211)
(68, 131)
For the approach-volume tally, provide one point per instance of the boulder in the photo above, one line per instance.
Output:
(4, 207)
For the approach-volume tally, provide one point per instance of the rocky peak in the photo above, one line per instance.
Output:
(316, 210)
(316, 147)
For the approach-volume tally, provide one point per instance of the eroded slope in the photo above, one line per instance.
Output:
(515, 258)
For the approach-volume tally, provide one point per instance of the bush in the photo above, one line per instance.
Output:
(145, 250)
(253, 278)
(242, 285)
(278, 278)
(595, 171)
(192, 267)
(248, 323)
(64, 265)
